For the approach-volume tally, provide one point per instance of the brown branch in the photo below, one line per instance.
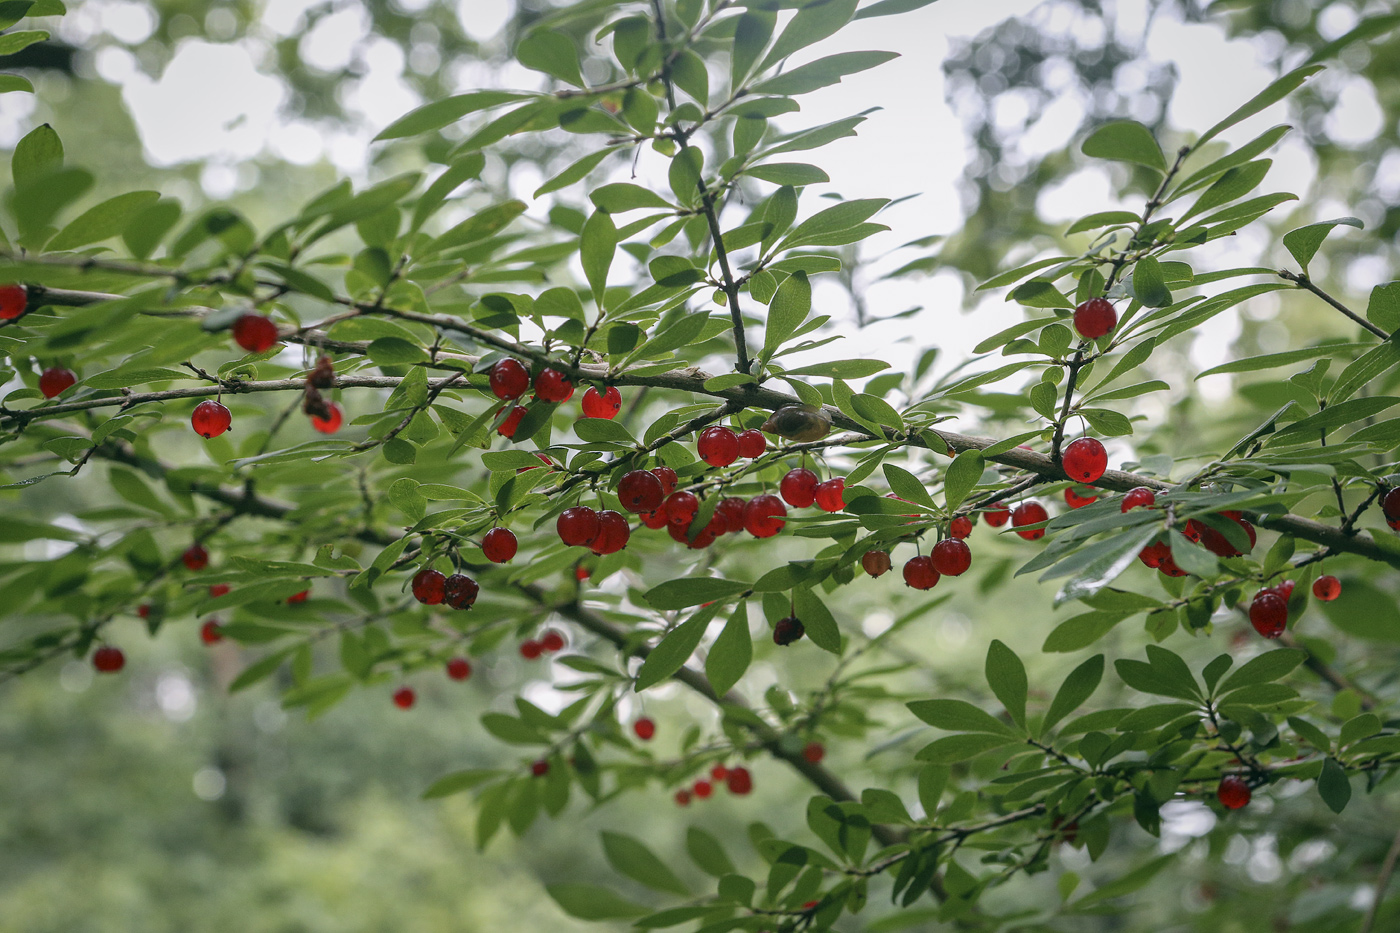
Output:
(1302, 281)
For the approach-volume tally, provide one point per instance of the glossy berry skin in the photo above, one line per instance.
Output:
(605, 404)
(1084, 460)
(667, 477)
(920, 573)
(765, 516)
(404, 697)
(218, 589)
(1390, 506)
(1216, 542)
(54, 380)
(613, 533)
(960, 527)
(211, 632)
(1169, 568)
(459, 591)
(1029, 513)
(331, 423)
(814, 752)
(703, 789)
(13, 299)
(552, 641)
(951, 557)
(1327, 588)
(1154, 554)
(531, 649)
(682, 798)
(788, 630)
(499, 545)
(1074, 500)
(799, 488)
(681, 533)
(655, 520)
(459, 668)
(680, 508)
(195, 557)
(298, 597)
(830, 496)
(1233, 793)
(1268, 613)
(718, 446)
(640, 491)
(539, 768)
(1094, 318)
(507, 427)
(875, 563)
(739, 781)
(578, 526)
(645, 728)
(255, 333)
(509, 379)
(210, 419)
(1137, 496)
(429, 587)
(731, 510)
(997, 514)
(752, 444)
(108, 660)
(553, 386)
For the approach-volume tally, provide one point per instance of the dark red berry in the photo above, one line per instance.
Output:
(499, 545)
(1075, 500)
(539, 768)
(1390, 505)
(682, 798)
(1094, 318)
(218, 589)
(703, 789)
(997, 514)
(581, 573)
(404, 697)
(298, 597)
(680, 508)
(1268, 613)
(1285, 589)
(731, 512)
(144, 610)
(531, 649)
(799, 488)
(667, 477)
(578, 526)
(645, 728)
(640, 491)
(459, 668)
(655, 520)
(752, 444)
(210, 419)
(765, 516)
(255, 333)
(814, 752)
(1085, 460)
(1327, 588)
(195, 557)
(429, 586)
(509, 379)
(788, 630)
(552, 640)
(605, 404)
(1216, 542)
(13, 299)
(1233, 792)
(108, 660)
(681, 533)
(459, 591)
(875, 562)
(507, 427)
(739, 781)
(335, 417)
(960, 527)
(1154, 554)
(1138, 496)
(613, 532)
(718, 446)
(951, 557)
(1169, 567)
(719, 772)
(54, 380)
(920, 573)
(1030, 513)
(831, 495)
(553, 386)
(211, 632)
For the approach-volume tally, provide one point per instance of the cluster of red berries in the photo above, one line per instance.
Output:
(432, 588)
(509, 379)
(550, 642)
(737, 779)
(1158, 554)
(720, 446)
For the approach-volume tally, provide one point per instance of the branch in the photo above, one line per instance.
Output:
(1302, 281)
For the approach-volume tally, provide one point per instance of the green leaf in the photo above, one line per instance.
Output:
(1077, 687)
(552, 53)
(623, 196)
(1365, 611)
(812, 23)
(751, 35)
(1304, 242)
(841, 217)
(1265, 668)
(817, 620)
(630, 857)
(1334, 416)
(390, 351)
(104, 221)
(955, 748)
(1271, 95)
(37, 154)
(1102, 219)
(575, 172)
(796, 174)
(707, 852)
(439, 113)
(732, 652)
(12, 42)
(9, 83)
(478, 227)
(458, 781)
(589, 902)
(958, 716)
(786, 312)
(1125, 141)
(1006, 675)
(841, 369)
(1383, 308)
(1235, 183)
(962, 477)
(675, 648)
(1127, 884)
(1148, 284)
(1334, 786)
(1365, 368)
(1285, 358)
(823, 72)
(597, 246)
(893, 7)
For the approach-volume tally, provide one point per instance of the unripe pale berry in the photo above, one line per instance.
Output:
(718, 446)
(1268, 613)
(210, 419)
(1094, 318)
(1084, 460)
(459, 591)
(1138, 496)
(605, 404)
(1029, 513)
(553, 386)
(788, 630)
(255, 333)
(1327, 588)
(578, 526)
(799, 488)
(332, 422)
(640, 491)
(645, 728)
(875, 563)
(752, 444)
(195, 557)
(509, 379)
(54, 380)
(920, 573)
(951, 557)
(13, 299)
(108, 660)
(459, 668)
(997, 514)
(429, 587)
(499, 545)
(1233, 792)
(960, 527)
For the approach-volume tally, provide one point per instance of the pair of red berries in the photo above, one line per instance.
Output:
(509, 379)
(211, 418)
(550, 642)
(950, 557)
(800, 488)
(720, 446)
(602, 532)
(432, 588)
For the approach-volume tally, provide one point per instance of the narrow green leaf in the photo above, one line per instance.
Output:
(1272, 94)
(675, 648)
(958, 716)
(597, 246)
(731, 653)
(630, 857)
(1077, 687)
(1006, 675)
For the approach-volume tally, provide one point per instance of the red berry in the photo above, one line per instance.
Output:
(920, 573)
(54, 380)
(719, 772)
(298, 597)
(1169, 567)
(1076, 501)
(875, 562)
(654, 520)
(144, 610)
(108, 660)
(831, 495)
(1094, 318)
(703, 788)
(1233, 792)
(509, 379)
(1216, 542)
(210, 419)
(799, 488)
(195, 557)
(680, 533)
(718, 446)
(602, 405)
(752, 444)
(645, 728)
(765, 516)
(333, 420)
(680, 508)
(1138, 496)
(731, 512)
(739, 780)
(1084, 460)
(508, 426)
(255, 333)
(459, 591)
(613, 532)
(1390, 505)
(13, 299)
(997, 514)
(960, 527)
(951, 557)
(683, 798)
(578, 526)
(581, 573)
(667, 477)
(813, 752)
(1285, 589)
(404, 697)
(552, 641)
(218, 589)
(788, 630)
(1193, 531)
(459, 668)
(211, 632)
(1327, 588)
(539, 768)
(1268, 613)
(429, 587)
(1154, 554)
(640, 491)
(1030, 513)
(531, 649)
(499, 545)
(553, 386)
